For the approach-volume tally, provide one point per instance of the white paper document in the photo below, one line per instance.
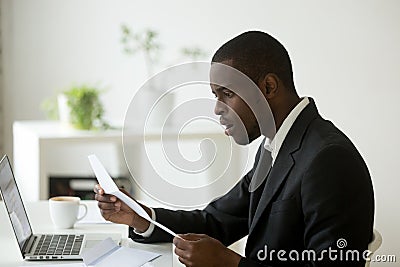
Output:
(107, 183)
(50, 264)
(107, 253)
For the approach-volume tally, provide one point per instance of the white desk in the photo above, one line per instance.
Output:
(39, 217)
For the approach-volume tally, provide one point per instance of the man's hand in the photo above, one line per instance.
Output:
(201, 250)
(114, 210)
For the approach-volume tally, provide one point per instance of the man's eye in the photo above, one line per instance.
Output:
(228, 93)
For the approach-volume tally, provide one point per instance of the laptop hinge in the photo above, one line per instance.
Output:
(28, 245)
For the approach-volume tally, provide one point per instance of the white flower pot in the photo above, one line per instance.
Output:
(64, 111)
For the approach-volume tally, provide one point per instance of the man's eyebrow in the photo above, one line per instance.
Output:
(218, 89)
(221, 87)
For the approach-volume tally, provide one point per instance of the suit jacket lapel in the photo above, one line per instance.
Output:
(284, 161)
(275, 178)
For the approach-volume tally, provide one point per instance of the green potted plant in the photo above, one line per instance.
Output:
(193, 53)
(84, 108)
(147, 42)
(142, 41)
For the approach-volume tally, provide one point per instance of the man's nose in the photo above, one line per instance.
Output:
(220, 108)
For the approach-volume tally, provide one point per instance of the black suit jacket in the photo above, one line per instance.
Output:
(318, 191)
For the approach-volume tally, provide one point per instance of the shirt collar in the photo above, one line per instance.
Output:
(275, 144)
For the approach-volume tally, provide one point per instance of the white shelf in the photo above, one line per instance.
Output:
(44, 148)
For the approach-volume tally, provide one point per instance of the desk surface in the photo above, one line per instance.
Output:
(38, 213)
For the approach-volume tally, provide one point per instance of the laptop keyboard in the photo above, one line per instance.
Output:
(59, 245)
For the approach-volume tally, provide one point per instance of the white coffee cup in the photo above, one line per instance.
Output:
(64, 211)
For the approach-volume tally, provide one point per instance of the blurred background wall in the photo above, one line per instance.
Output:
(345, 55)
(1, 85)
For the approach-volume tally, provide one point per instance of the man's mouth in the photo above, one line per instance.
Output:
(228, 127)
(227, 124)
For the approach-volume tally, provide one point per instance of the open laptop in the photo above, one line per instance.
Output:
(40, 246)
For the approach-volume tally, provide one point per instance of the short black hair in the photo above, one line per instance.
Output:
(256, 54)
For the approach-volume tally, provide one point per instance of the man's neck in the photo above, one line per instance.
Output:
(289, 104)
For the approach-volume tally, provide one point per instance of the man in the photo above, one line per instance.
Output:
(315, 199)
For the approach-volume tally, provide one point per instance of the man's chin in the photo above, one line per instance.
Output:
(241, 140)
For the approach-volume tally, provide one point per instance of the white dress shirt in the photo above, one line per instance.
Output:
(275, 145)
(149, 230)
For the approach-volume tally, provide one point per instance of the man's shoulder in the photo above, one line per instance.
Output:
(324, 142)
(311, 132)
(324, 133)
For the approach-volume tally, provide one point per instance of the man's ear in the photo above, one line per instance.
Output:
(269, 85)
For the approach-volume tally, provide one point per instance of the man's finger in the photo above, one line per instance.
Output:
(180, 252)
(183, 256)
(184, 261)
(181, 243)
(98, 190)
(193, 237)
(109, 206)
(105, 198)
(106, 213)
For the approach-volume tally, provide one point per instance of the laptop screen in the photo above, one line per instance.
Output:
(13, 202)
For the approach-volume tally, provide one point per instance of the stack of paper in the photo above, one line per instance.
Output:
(107, 253)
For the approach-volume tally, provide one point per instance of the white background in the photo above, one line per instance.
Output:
(345, 55)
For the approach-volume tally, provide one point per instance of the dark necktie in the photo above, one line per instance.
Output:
(263, 168)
